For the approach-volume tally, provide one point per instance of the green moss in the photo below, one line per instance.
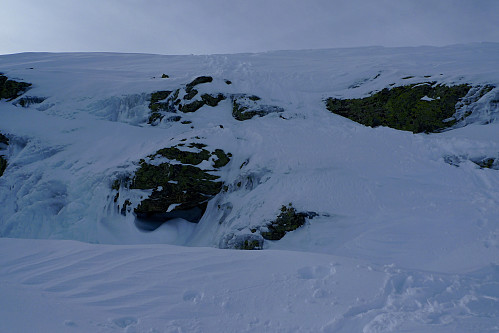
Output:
(287, 220)
(402, 108)
(222, 158)
(185, 157)
(164, 76)
(408, 77)
(3, 165)
(254, 98)
(10, 89)
(186, 122)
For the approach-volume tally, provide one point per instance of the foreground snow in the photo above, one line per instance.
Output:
(66, 286)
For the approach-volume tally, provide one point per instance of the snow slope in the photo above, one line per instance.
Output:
(404, 241)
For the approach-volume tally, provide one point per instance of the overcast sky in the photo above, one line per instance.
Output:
(231, 26)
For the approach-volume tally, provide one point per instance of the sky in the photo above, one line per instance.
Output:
(234, 26)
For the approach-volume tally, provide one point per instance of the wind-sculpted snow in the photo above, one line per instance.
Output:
(407, 224)
(161, 288)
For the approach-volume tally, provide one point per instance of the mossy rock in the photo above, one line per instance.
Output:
(10, 89)
(405, 107)
(212, 100)
(185, 186)
(287, 220)
(184, 157)
(190, 94)
(155, 105)
(222, 158)
(3, 165)
(160, 95)
(198, 80)
(191, 107)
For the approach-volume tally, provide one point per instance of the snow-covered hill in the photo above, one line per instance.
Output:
(400, 233)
